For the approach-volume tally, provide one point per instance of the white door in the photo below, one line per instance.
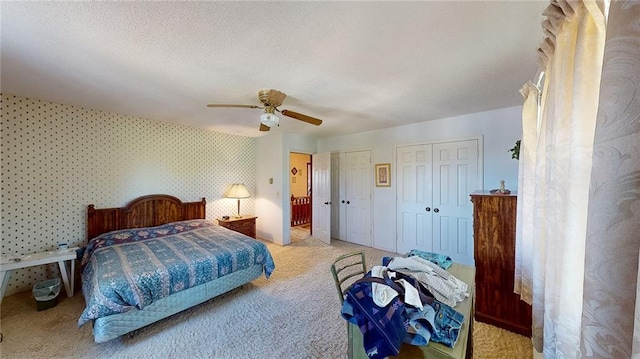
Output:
(455, 176)
(414, 198)
(321, 196)
(434, 212)
(358, 196)
(338, 210)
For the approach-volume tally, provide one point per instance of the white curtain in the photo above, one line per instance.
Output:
(611, 309)
(578, 225)
(556, 175)
(526, 194)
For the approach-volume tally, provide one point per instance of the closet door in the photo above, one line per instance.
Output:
(338, 210)
(413, 189)
(433, 209)
(455, 175)
(358, 197)
(351, 197)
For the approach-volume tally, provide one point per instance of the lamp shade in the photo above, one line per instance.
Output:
(237, 190)
(269, 119)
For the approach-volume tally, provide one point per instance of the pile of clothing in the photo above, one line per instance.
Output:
(406, 300)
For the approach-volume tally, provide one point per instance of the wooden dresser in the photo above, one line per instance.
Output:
(245, 225)
(494, 232)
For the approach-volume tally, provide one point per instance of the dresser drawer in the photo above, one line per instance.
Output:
(242, 226)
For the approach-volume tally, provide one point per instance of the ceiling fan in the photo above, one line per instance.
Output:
(270, 100)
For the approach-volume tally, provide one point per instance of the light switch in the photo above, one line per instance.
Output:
(270, 180)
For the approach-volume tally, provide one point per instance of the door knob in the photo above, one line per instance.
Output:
(326, 203)
(428, 209)
(436, 210)
(343, 201)
(348, 202)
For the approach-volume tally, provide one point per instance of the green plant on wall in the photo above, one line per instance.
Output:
(515, 151)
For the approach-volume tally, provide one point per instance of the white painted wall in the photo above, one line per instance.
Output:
(272, 200)
(499, 128)
(269, 165)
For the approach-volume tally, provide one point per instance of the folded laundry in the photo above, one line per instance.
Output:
(445, 287)
(443, 261)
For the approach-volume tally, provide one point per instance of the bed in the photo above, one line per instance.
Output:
(156, 257)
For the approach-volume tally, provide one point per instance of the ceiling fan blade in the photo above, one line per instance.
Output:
(301, 117)
(264, 127)
(232, 105)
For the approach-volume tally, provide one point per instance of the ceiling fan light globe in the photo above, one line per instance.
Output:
(269, 119)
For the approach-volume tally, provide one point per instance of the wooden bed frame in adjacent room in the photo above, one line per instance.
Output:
(148, 211)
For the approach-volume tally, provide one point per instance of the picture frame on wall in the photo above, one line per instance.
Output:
(383, 175)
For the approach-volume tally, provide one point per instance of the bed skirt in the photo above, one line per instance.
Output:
(113, 326)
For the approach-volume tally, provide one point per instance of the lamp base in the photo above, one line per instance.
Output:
(238, 216)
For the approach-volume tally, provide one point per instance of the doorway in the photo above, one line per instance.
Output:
(300, 195)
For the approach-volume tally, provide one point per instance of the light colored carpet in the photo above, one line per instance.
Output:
(299, 233)
(294, 314)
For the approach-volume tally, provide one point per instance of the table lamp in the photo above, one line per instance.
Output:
(238, 190)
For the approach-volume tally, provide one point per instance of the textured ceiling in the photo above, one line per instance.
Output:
(356, 65)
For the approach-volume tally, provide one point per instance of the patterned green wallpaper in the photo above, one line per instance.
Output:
(57, 159)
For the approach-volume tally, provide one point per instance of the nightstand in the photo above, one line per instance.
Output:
(245, 225)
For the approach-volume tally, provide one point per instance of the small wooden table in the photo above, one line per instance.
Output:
(30, 260)
(463, 347)
(245, 224)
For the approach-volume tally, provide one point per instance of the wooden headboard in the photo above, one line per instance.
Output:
(146, 211)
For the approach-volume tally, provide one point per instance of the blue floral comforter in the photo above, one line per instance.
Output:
(133, 268)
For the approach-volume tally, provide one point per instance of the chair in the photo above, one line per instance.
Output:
(345, 267)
